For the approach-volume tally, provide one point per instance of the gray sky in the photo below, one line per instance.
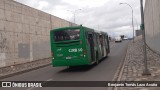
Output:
(103, 15)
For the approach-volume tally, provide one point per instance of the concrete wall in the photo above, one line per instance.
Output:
(24, 33)
(152, 24)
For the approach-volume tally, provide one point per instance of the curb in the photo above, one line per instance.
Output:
(22, 70)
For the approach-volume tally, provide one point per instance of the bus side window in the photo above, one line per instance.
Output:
(86, 35)
(96, 38)
(91, 39)
(101, 39)
(106, 42)
(98, 42)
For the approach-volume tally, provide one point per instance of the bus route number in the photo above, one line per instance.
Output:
(76, 50)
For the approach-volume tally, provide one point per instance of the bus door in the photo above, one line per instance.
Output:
(107, 42)
(104, 47)
(91, 43)
(101, 43)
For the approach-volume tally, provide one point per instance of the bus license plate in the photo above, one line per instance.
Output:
(68, 57)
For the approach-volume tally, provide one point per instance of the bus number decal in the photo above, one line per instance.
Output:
(80, 50)
(76, 50)
(73, 50)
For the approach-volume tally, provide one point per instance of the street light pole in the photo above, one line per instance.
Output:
(146, 70)
(132, 18)
(74, 14)
(136, 22)
(74, 17)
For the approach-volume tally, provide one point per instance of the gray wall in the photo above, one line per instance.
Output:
(24, 33)
(152, 24)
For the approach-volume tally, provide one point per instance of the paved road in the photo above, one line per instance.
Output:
(103, 72)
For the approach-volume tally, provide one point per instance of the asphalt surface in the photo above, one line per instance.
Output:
(104, 71)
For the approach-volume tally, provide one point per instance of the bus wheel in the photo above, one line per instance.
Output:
(71, 67)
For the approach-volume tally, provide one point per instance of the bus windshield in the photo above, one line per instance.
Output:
(69, 34)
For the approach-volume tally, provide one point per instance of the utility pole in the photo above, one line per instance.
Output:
(132, 18)
(74, 14)
(146, 70)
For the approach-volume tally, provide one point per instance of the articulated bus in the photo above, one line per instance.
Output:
(78, 45)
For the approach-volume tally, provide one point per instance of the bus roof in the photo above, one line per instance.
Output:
(74, 27)
(62, 28)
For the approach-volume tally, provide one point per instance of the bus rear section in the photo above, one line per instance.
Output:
(67, 47)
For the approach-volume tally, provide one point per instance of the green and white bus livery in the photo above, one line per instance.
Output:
(78, 45)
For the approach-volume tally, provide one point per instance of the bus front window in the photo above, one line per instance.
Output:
(64, 35)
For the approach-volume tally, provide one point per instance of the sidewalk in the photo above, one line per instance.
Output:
(24, 67)
(133, 66)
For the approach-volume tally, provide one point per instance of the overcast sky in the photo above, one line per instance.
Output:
(103, 15)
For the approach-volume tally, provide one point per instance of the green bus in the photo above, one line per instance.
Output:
(78, 45)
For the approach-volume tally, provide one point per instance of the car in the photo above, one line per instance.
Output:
(125, 38)
(118, 39)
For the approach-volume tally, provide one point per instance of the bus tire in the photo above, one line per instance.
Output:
(71, 67)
